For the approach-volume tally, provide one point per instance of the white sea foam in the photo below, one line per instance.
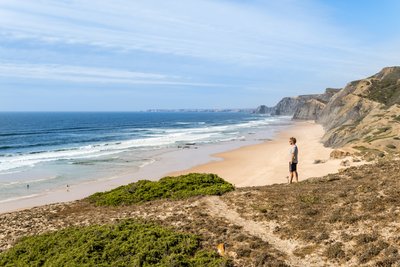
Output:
(147, 162)
(156, 138)
(18, 198)
(32, 181)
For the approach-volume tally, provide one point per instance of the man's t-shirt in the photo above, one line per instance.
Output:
(293, 150)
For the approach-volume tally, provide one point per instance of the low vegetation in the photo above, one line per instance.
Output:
(128, 243)
(369, 154)
(382, 130)
(174, 188)
(386, 91)
(351, 216)
(396, 118)
(391, 146)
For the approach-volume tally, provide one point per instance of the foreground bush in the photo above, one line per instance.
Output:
(128, 243)
(180, 187)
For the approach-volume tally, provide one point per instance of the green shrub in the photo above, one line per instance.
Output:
(386, 91)
(383, 130)
(127, 243)
(360, 148)
(166, 188)
(366, 238)
(391, 146)
(371, 250)
(309, 199)
(335, 251)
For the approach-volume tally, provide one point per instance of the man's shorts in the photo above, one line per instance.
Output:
(292, 167)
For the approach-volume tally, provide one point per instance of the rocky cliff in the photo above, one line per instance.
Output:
(365, 115)
(363, 118)
(263, 109)
(314, 105)
(309, 110)
(289, 105)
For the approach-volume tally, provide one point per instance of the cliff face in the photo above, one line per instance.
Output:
(290, 105)
(309, 110)
(314, 105)
(287, 106)
(263, 109)
(364, 116)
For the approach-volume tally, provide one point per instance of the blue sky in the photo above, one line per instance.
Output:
(75, 55)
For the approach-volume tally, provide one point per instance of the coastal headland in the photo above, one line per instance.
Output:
(348, 216)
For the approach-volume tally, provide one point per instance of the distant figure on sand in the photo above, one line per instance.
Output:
(293, 160)
(27, 186)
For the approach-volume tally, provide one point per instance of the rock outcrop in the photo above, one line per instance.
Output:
(310, 110)
(314, 105)
(289, 106)
(286, 107)
(263, 109)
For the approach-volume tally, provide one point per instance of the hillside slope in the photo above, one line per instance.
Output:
(351, 218)
(364, 117)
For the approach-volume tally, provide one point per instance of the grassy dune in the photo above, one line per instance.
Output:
(128, 243)
(179, 187)
(350, 218)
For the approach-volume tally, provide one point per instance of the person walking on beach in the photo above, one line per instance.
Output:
(293, 160)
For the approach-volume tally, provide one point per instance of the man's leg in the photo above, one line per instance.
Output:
(296, 176)
(292, 171)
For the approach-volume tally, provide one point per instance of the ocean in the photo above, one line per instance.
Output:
(43, 151)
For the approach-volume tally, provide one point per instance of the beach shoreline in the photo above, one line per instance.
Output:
(232, 161)
(267, 163)
(163, 161)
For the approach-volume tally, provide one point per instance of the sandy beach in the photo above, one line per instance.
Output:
(165, 161)
(249, 165)
(267, 163)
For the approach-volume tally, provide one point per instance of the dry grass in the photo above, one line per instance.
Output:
(352, 216)
(347, 219)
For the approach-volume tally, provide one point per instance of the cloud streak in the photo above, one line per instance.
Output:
(277, 47)
(79, 74)
(212, 30)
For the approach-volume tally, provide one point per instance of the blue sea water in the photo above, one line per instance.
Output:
(47, 150)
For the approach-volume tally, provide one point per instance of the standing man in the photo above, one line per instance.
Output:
(293, 160)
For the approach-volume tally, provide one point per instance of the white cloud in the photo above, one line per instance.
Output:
(212, 30)
(277, 47)
(91, 75)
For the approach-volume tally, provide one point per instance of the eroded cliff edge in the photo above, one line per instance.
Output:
(363, 118)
